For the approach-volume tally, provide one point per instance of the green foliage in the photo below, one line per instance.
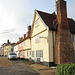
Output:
(65, 69)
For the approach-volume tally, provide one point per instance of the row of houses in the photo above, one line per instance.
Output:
(6, 48)
(38, 43)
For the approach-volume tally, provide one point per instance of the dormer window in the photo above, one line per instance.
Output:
(36, 22)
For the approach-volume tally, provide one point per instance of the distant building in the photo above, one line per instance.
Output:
(8, 48)
(22, 47)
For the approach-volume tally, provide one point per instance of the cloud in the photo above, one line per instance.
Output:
(14, 14)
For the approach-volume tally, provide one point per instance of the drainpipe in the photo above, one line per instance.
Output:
(53, 46)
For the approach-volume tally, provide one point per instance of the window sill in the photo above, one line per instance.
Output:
(37, 42)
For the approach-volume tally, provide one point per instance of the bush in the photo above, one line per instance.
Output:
(65, 69)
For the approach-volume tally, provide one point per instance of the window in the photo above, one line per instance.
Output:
(19, 45)
(39, 53)
(72, 36)
(37, 38)
(24, 43)
(36, 22)
(21, 53)
(32, 53)
(5, 48)
(5, 53)
(27, 53)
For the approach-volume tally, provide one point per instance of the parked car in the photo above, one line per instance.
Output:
(12, 55)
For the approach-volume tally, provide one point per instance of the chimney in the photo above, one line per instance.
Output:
(64, 51)
(24, 35)
(8, 41)
(29, 28)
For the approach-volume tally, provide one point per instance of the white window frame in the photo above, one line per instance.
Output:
(36, 22)
(21, 53)
(19, 45)
(39, 53)
(24, 43)
(32, 53)
(37, 38)
(27, 53)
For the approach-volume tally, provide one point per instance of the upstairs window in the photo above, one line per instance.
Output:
(19, 45)
(36, 22)
(37, 38)
(24, 43)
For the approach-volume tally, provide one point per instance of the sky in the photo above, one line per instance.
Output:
(16, 15)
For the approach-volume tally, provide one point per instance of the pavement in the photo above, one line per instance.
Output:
(20, 67)
(15, 67)
(43, 70)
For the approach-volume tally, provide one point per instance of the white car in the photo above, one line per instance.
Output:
(12, 55)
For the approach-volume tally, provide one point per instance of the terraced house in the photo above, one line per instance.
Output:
(46, 44)
(8, 48)
(23, 46)
(43, 34)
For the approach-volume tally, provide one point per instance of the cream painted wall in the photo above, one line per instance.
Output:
(27, 57)
(40, 27)
(15, 48)
(42, 45)
(27, 44)
(7, 49)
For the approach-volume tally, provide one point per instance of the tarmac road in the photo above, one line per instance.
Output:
(19, 68)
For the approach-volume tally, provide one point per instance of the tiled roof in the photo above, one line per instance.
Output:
(49, 19)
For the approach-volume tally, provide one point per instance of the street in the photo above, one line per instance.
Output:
(18, 67)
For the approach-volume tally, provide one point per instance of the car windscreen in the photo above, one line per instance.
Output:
(12, 53)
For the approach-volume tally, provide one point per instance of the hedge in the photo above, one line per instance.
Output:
(65, 69)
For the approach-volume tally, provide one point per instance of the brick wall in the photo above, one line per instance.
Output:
(64, 52)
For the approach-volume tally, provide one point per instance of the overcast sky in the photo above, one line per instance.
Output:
(16, 15)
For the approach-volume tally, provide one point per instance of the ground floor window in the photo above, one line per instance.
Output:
(21, 53)
(32, 53)
(39, 53)
(27, 53)
(5, 53)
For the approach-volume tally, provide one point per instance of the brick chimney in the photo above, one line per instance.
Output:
(29, 28)
(8, 41)
(64, 51)
(29, 31)
(24, 35)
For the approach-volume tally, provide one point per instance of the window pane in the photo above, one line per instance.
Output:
(36, 22)
(27, 53)
(21, 53)
(32, 53)
(39, 53)
(37, 38)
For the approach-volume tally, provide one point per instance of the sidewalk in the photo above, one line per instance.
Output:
(43, 70)
(4, 62)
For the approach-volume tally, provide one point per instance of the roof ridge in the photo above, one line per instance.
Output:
(43, 12)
